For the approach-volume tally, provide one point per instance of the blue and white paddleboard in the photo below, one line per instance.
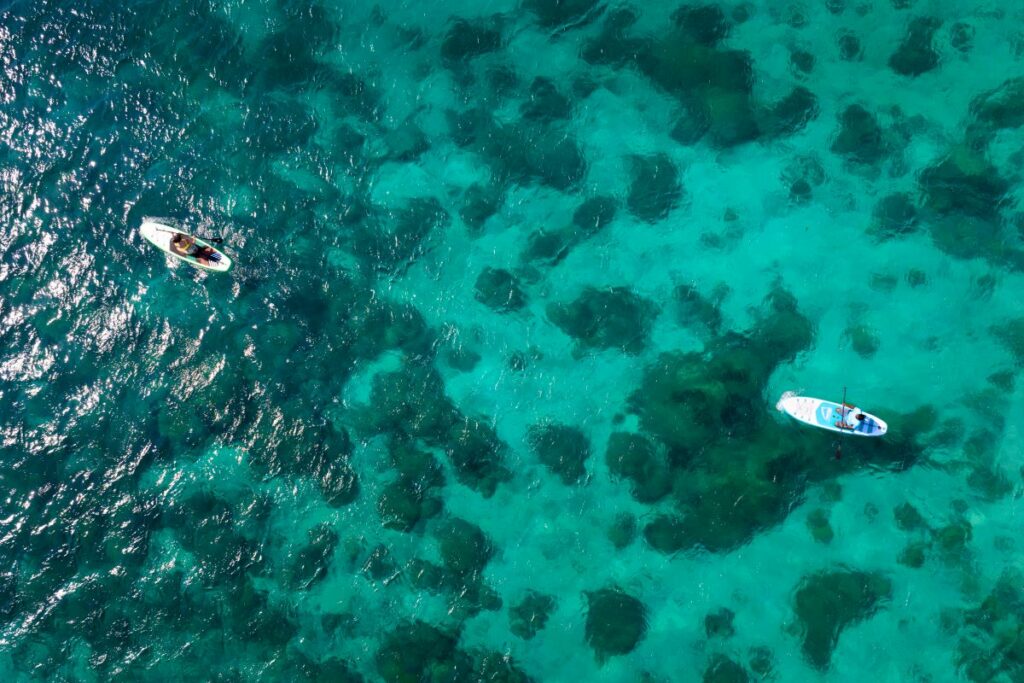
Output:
(834, 417)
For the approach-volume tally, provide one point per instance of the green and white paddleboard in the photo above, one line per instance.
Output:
(160, 236)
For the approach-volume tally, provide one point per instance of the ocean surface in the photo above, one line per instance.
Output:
(489, 394)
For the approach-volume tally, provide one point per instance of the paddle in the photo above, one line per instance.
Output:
(215, 240)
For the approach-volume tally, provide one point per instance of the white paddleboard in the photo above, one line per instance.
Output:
(831, 416)
(160, 236)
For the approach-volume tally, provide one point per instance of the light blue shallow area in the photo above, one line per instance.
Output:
(488, 392)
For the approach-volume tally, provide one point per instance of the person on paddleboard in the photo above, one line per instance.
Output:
(187, 246)
(849, 417)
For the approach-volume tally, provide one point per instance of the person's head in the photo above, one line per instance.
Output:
(860, 416)
(185, 241)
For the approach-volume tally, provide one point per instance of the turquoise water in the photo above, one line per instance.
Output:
(489, 393)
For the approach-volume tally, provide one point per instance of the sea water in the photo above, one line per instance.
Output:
(489, 393)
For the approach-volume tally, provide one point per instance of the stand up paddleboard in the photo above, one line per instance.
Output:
(835, 417)
(160, 236)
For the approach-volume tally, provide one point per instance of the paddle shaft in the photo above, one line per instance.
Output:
(215, 240)
(841, 425)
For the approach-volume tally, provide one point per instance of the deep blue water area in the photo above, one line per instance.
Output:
(490, 392)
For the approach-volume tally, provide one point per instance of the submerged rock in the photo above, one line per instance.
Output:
(828, 602)
(616, 622)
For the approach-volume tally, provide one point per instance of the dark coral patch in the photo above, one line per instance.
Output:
(655, 188)
(464, 547)
(916, 54)
(553, 245)
(531, 614)
(616, 622)
(860, 137)
(614, 318)
(718, 624)
(545, 103)
(850, 49)
(478, 204)
(418, 651)
(411, 401)
(312, 562)
(695, 311)
(1002, 107)
(894, 216)
(828, 602)
(991, 644)
(402, 504)
(594, 214)
(721, 669)
(281, 122)
(1011, 335)
(622, 531)
(964, 183)
(392, 241)
(477, 455)
(692, 124)
(555, 14)
(562, 449)
(704, 24)
(338, 483)
(466, 40)
(791, 114)
(499, 289)
(634, 457)
(614, 46)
